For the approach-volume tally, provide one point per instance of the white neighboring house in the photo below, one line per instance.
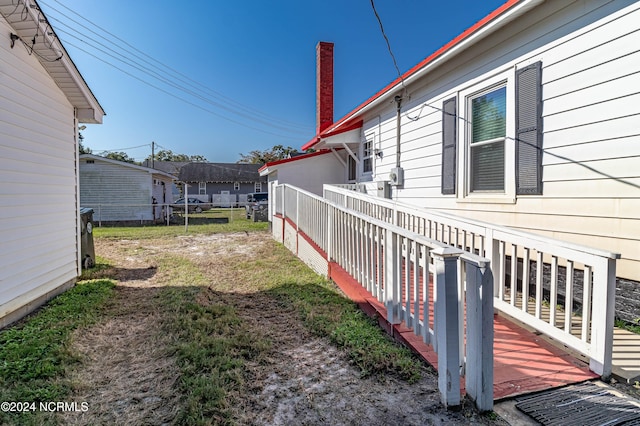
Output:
(43, 98)
(529, 119)
(308, 171)
(121, 192)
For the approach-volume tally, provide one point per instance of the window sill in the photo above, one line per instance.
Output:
(487, 199)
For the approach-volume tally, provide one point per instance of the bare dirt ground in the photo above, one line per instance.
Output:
(126, 378)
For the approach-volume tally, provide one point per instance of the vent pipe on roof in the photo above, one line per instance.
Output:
(324, 87)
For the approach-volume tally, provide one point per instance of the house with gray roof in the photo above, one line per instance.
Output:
(223, 184)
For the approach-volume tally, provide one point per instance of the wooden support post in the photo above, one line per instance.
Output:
(479, 365)
(603, 315)
(446, 324)
(392, 270)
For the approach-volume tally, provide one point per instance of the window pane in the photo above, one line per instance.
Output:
(487, 167)
(366, 156)
(366, 165)
(489, 115)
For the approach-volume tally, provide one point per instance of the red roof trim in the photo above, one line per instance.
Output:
(296, 158)
(311, 143)
(354, 125)
(336, 127)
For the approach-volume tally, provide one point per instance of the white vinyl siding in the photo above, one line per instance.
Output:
(117, 192)
(591, 120)
(38, 214)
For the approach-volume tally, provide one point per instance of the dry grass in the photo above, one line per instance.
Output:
(233, 329)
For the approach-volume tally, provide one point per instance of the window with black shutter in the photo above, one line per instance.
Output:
(529, 130)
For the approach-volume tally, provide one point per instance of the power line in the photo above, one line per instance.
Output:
(180, 98)
(386, 39)
(170, 83)
(168, 76)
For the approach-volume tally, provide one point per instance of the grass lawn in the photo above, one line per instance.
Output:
(209, 339)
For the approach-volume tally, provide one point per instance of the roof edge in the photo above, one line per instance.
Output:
(423, 66)
(292, 159)
(126, 164)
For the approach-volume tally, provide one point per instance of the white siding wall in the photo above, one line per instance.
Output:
(115, 192)
(310, 256)
(311, 173)
(591, 121)
(38, 208)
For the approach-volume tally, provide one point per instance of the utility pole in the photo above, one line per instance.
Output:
(153, 155)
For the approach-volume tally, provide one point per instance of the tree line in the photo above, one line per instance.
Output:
(277, 152)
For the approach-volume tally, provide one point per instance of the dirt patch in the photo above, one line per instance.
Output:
(126, 377)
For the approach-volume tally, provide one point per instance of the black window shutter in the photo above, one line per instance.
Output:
(449, 141)
(529, 130)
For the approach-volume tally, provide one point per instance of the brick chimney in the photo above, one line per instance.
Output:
(324, 88)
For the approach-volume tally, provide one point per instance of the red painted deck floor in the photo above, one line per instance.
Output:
(523, 361)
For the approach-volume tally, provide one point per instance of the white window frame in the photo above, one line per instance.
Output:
(257, 187)
(202, 188)
(502, 79)
(367, 148)
(236, 186)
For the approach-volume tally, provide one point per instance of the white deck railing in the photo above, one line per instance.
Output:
(564, 290)
(408, 273)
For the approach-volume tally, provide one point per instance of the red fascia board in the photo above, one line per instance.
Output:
(296, 158)
(336, 131)
(311, 143)
(336, 127)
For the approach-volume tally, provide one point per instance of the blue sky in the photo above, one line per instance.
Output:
(244, 70)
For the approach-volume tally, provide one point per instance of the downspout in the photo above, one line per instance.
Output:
(398, 100)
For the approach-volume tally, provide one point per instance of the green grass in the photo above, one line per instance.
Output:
(326, 312)
(632, 327)
(34, 354)
(211, 343)
(199, 223)
(209, 340)
(329, 314)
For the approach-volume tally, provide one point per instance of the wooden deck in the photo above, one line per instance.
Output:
(524, 361)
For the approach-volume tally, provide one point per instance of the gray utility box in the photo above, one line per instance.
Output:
(384, 189)
(87, 251)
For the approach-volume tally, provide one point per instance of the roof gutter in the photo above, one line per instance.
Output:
(506, 13)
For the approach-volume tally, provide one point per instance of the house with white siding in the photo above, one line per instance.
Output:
(121, 192)
(529, 119)
(43, 99)
(308, 171)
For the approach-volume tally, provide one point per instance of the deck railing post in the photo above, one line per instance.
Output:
(446, 324)
(479, 350)
(492, 252)
(603, 316)
(392, 270)
(284, 211)
(329, 232)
